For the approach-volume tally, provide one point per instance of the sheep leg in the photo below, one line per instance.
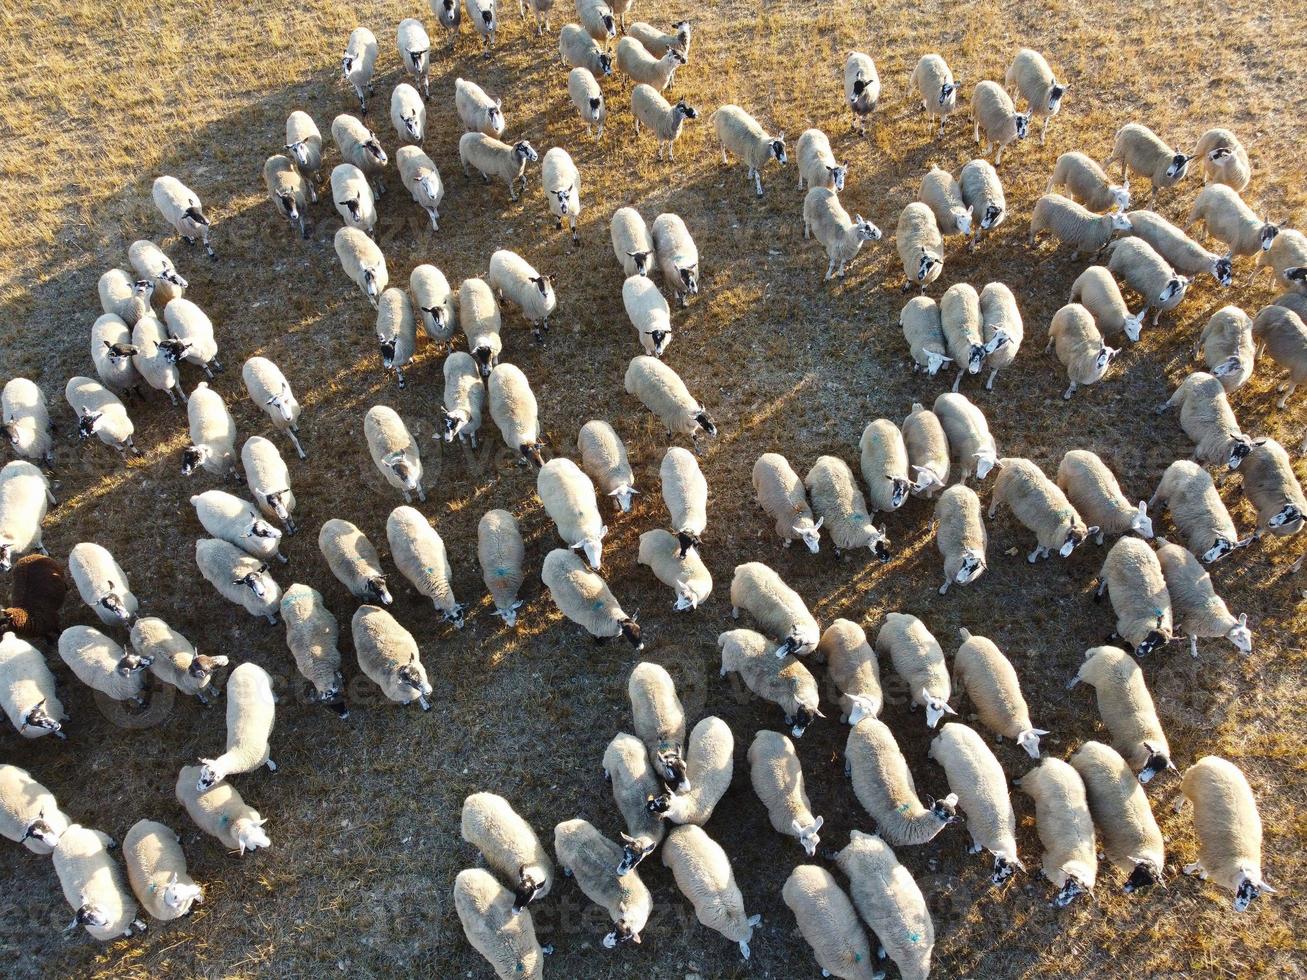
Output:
(989, 386)
(957, 381)
(757, 181)
(724, 160)
(841, 273)
(977, 133)
(1037, 554)
(807, 230)
(1071, 390)
(50, 496)
(272, 619)
(1288, 390)
(943, 589)
(1102, 588)
(735, 612)
(1043, 132)
(272, 766)
(1195, 869)
(299, 450)
(1193, 645)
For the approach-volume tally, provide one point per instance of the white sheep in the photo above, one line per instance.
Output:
(1225, 161)
(156, 869)
(174, 660)
(704, 876)
(584, 91)
(434, 300)
(238, 577)
(388, 655)
(982, 193)
(861, 87)
(635, 62)
(358, 62)
(513, 408)
(1066, 828)
(186, 322)
(924, 331)
(464, 398)
(221, 813)
(93, 884)
(709, 769)
(396, 332)
(1039, 504)
(778, 609)
(1000, 316)
(920, 245)
(125, 297)
(156, 358)
(29, 813)
(500, 552)
(419, 553)
(933, 81)
(960, 536)
(150, 262)
(182, 210)
(632, 244)
(1183, 253)
(480, 321)
(213, 434)
(1226, 344)
(659, 721)
(1097, 291)
(491, 825)
(655, 41)
(963, 324)
(784, 681)
(983, 673)
(661, 390)
(816, 162)
(742, 135)
(271, 393)
(919, 661)
(976, 779)
(842, 509)
(890, 902)
(102, 584)
(1080, 348)
(25, 417)
(941, 192)
(505, 938)
(569, 499)
(394, 451)
(1272, 488)
(852, 666)
(512, 276)
(1281, 334)
(686, 574)
(777, 778)
(421, 178)
(362, 261)
(485, 21)
(1127, 709)
(561, 184)
(825, 218)
(635, 786)
(591, 859)
(27, 691)
(541, 10)
(304, 144)
(662, 118)
(884, 787)
(678, 256)
(478, 112)
(597, 19)
(268, 480)
(100, 664)
(781, 494)
(1075, 225)
(1226, 217)
(994, 115)
(1208, 421)
(1096, 495)
(1228, 827)
(354, 561)
(603, 455)
(489, 157)
(1287, 259)
(884, 464)
(1142, 151)
(970, 443)
(359, 145)
(584, 598)
(415, 51)
(352, 195)
(1196, 608)
(24, 498)
(313, 636)
(829, 924)
(579, 50)
(1034, 80)
(288, 191)
(251, 714)
(1119, 806)
(1084, 182)
(1188, 492)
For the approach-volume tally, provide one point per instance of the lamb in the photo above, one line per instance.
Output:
(829, 923)
(977, 780)
(890, 902)
(655, 41)
(238, 577)
(648, 313)
(358, 62)
(1032, 77)
(604, 457)
(1272, 488)
(354, 561)
(1142, 151)
(982, 193)
(513, 408)
(922, 329)
(362, 261)
(1195, 606)
(632, 244)
(102, 584)
(421, 179)
(393, 451)
(982, 672)
(156, 357)
(359, 145)
(93, 885)
(569, 499)
(1085, 183)
(968, 435)
(173, 659)
(269, 481)
(659, 721)
(25, 418)
(419, 553)
(156, 869)
(960, 536)
(993, 114)
(584, 91)
(186, 322)
(479, 319)
(1127, 709)
(1226, 217)
(662, 118)
(27, 691)
(709, 768)
(919, 661)
(150, 262)
(999, 316)
(39, 587)
(1187, 490)
(312, 634)
(583, 597)
(782, 496)
(1079, 346)
(784, 682)
(415, 51)
(1075, 225)
(1282, 333)
(884, 786)
(1119, 806)
(434, 301)
(963, 325)
(825, 218)
(1228, 827)
(627, 767)
(579, 50)
(24, 497)
(840, 506)
(481, 13)
(704, 876)
(491, 825)
(562, 186)
(396, 332)
(934, 82)
(388, 655)
(251, 712)
(29, 813)
(777, 778)
(1208, 420)
(941, 192)
(636, 63)
(221, 813)
(1097, 291)
(1094, 492)
(182, 210)
(661, 390)
(591, 858)
(920, 245)
(817, 166)
(304, 144)
(1225, 161)
(777, 609)
(1287, 258)
(213, 434)
(1066, 828)
(271, 392)
(101, 664)
(597, 19)
(884, 464)
(288, 191)
(742, 135)
(1039, 504)
(352, 195)
(861, 88)
(852, 666)
(478, 112)
(686, 574)
(500, 552)
(506, 939)
(491, 158)
(1177, 248)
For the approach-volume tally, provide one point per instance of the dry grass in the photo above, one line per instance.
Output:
(364, 814)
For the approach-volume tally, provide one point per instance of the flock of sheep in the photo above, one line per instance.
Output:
(659, 776)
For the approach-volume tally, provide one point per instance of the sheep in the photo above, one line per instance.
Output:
(388, 655)
(156, 357)
(1293, 301)
(964, 330)
(25, 417)
(1119, 806)
(182, 210)
(1127, 709)
(1039, 504)
(421, 178)
(125, 297)
(419, 553)
(709, 768)
(1195, 607)
(597, 19)
(627, 767)
(221, 812)
(1187, 491)
(884, 787)
(704, 876)
(173, 659)
(816, 162)
(960, 536)
(271, 393)
(100, 664)
(777, 609)
(238, 577)
(659, 721)
(93, 885)
(464, 398)
(512, 276)
(268, 481)
(102, 584)
(1228, 827)
(636, 63)
(359, 145)
(603, 455)
(920, 246)
(541, 10)
(213, 434)
(156, 869)
(781, 494)
(982, 672)
(591, 858)
(354, 561)
(919, 661)
(933, 80)
(1225, 161)
(976, 779)
(841, 507)
(829, 924)
(1085, 183)
(1097, 291)
(1226, 217)
(1282, 333)
(149, 262)
(677, 256)
(884, 465)
(1034, 80)
(982, 193)
(825, 218)
(861, 89)
(500, 552)
(304, 144)
(396, 332)
(632, 244)
(362, 261)
(1208, 420)
(1094, 492)
(1065, 827)
(739, 133)
(434, 301)
(1075, 225)
(357, 64)
(656, 42)
(35, 597)
(1226, 343)
(1287, 259)
(922, 329)
(479, 319)
(853, 668)
(993, 113)
(661, 390)
(29, 813)
(562, 186)
(1142, 151)
(1177, 248)
(579, 50)
(777, 779)
(513, 408)
(27, 691)
(484, 20)
(686, 574)
(889, 901)
(1079, 346)
(941, 192)
(288, 191)
(569, 499)
(662, 118)
(507, 940)
(1272, 488)
(969, 439)
(312, 634)
(24, 497)
(478, 112)
(785, 681)
(352, 195)
(491, 825)
(489, 157)
(1000, 316)
(415, 52)
(186, 322)
(584, 91)
(393, 451)
(583, 597)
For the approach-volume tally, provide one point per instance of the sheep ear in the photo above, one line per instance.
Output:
(1143, 508)
(1243, 621)
(173, 879)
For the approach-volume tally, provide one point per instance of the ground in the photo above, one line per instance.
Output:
(363, 814)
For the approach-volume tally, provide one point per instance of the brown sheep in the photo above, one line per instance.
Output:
(38, 591)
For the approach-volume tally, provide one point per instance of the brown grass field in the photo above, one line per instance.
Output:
(364, 814)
